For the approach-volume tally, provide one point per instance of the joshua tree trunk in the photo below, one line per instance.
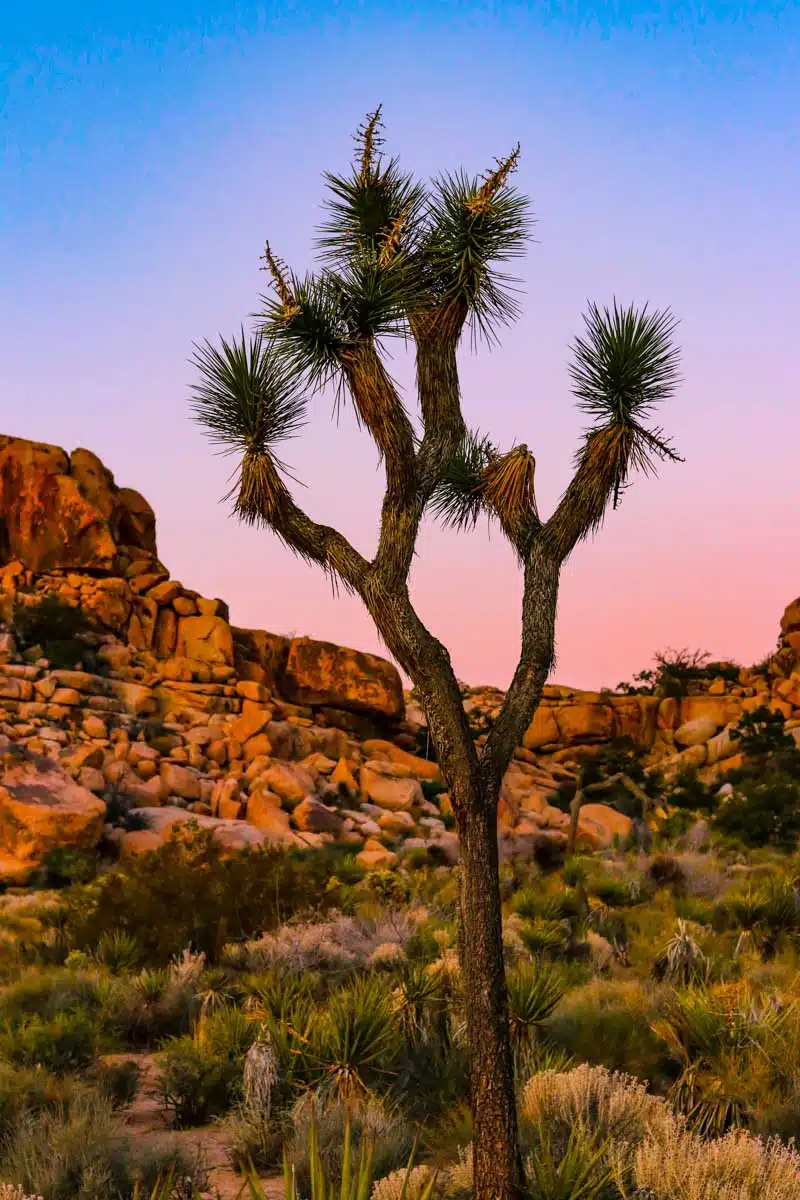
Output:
(401, 258)
(496, 1159)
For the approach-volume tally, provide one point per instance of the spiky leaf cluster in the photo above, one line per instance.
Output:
(625, 365)
(247, 398)
(458, 499)
(468, 232)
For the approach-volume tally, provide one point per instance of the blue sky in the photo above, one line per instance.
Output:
(148, 151)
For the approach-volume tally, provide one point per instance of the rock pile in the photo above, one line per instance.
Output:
(175, 715)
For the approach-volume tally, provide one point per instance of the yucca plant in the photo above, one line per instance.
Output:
(426, 264)
(721, 1037)
(118, 951)
(581, 1172)
(356, 1179)
(682, 960)
(356, 1041)
(419, 1002)
(533, 994)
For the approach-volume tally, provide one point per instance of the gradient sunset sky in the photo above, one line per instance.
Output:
(148, 150)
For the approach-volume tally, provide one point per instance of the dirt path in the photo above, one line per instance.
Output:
(147, 1123)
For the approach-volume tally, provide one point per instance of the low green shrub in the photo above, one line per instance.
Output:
(65, 1042)
(57, 627)
(187, 893)
(194, 1084)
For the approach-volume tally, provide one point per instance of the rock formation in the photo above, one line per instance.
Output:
(178, 715)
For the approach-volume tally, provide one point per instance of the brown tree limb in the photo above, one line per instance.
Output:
(539, 602)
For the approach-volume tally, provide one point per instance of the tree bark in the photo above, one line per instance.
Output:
(497, 1163)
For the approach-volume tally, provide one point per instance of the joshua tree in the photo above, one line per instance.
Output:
(421, 262)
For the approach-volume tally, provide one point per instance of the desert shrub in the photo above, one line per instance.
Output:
(116, 1079)
(730, 1046)
(393, 1137)
(674, 671)
(762, 736)
(533, 993)
(664, 871)
(340, 943)
(688, 792)
(764, 811)
(55, 626)
(682, 960)
(737, 1165)
(50, 992)
(156, 1003)
(64, 1042)
(612, 1106)
(187, 893)
(194, 1084)
(608, 1023)
(118, 951)
(356, 1041)
(28, 1090)
(579, 1172)
(80, 1152)
(65, 865)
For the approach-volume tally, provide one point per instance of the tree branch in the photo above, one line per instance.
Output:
(539, 600)
(601, 468)
(263, 498)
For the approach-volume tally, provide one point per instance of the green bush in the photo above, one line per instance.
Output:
(762, 812)
(65, 1042)
(79, 1151)
(187, 893)
(65, 865)
(55, 626)
(194, 1084)
(28, 1090)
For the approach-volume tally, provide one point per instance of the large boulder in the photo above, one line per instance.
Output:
(41, 809)
(62, 512)
(321, 673)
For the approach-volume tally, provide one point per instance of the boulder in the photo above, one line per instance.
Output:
(41, 809)
(599, 824)
(696, 732)
(312, 816)
(397, 795)
(321, 673)
(205, 640)
(63, 512)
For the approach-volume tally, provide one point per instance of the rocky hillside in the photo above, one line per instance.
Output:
(154, 710)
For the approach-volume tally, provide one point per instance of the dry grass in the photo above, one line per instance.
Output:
(339, 943)
(679, 1166)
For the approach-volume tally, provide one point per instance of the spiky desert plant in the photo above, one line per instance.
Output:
(533, 994)
(427, 264)
(355, 1042)
(682, 960)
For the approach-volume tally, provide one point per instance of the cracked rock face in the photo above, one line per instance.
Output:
(60, 511)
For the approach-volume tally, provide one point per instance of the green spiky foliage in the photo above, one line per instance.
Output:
(623, 368)
(249, 399)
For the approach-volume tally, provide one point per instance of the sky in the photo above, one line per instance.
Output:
(147, 151)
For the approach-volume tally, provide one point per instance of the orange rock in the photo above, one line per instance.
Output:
(586, 722)
(41, 809)
(598, 825)
(420, 768)
(138, 842)
(543, 729)
(65, 512)
(338, 677)
(790, 621)
(205, 640)
(720, 709)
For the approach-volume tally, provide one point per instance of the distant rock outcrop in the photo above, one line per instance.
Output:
(65, 512)
(180, 716)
